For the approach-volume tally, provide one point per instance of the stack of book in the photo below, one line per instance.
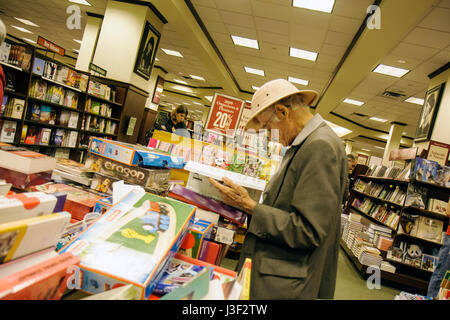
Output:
(370, 256)
(97, 107)
(30, 268)
(380, 171)
(102, 91)
(13, 108)
(386, 266)
(376, 231)
(69, 170)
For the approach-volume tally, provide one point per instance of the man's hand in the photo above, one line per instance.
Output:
(234, 195)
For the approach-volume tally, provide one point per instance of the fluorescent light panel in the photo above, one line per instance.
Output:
(365, 149)
(415, 100)
(299, 81)
(377, 119)
(340, 131)
(29, 40)
(21, 29)
(303, 54)
(172, 53)
(84, 2)
(79, 41)
(255, 88)
(317, 5)
(197, 77)
(355, 102)
(180, 81)
(245, 42)
(254, 71)
(390, 71)
(27, 22)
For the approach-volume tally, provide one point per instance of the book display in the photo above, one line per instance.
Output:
(401, 213)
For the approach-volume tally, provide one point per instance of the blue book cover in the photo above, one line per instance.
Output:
(35, 112)
(38, 66)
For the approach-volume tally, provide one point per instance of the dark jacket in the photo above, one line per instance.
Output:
(169, 125)
(293, 236)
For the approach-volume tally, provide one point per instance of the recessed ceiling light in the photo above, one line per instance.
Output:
(390, 71)
(180, 81)
(379, 147)
(355, 102)
(255, 88)
(299, 81)
(377, 119)
(21, 29)
(318, 5)
(415, 100)
(84, 2)
(79, 41)
(209, 98)
(77, 51)
(172, 52)
(245, 42)
(365, 149)
(254, 71)
(182, 88)
(401, 61)
(303, 54)
(27, 22)
(197, 77)
(340, 131)
(29, 40)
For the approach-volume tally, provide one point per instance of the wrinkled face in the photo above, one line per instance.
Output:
(180, 117)
(278, 122)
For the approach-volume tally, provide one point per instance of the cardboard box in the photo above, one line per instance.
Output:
(132, 243)
(133, 155)
(199, 231)
(78, 202)
(26, 205)
(103, 205)
(22, 237)
(153, 180)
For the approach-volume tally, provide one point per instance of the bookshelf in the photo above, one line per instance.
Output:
(417, 235)
(71, 101)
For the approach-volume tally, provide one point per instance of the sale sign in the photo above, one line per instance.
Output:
(224, 115)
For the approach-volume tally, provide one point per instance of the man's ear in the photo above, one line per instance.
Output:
(282, 111)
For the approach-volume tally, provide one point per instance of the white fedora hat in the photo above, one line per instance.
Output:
(274, 91)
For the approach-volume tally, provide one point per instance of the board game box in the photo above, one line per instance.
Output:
(132, 243)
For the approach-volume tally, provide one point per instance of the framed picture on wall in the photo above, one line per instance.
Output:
(429, 113)
(147, 51)
(159, 87)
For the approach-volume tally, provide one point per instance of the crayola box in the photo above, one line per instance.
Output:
(132, 243)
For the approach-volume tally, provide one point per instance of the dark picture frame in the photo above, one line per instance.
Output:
(147, 51)
(429, 112)
(159, 87)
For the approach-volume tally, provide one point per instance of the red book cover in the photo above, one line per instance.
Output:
(44, 281)
(212, 252)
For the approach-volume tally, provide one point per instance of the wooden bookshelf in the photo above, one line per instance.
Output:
(372, 218)
(52, 104)
(104, 117)
(430, 214)
(93, 96)
(8, 65)
(384, 180)
(379, 199)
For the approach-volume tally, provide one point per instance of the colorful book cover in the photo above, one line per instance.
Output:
(8, 131)
(426, 170)
(45, 136)
(38, 66)
(73, 120)
(5, 49)
(64, 118)
(45, 114)
(58, 137)
(35, 112)
(46, 280)
(31, 135)
(50, 70)
(416, 197)
(141, 233)
(17, 108)
(22, 237)
(39, 89)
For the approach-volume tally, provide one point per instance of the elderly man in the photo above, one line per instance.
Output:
(293, 235)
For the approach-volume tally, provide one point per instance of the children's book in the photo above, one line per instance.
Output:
(45, 114)
(73, 120)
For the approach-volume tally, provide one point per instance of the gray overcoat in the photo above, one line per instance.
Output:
(293, 236)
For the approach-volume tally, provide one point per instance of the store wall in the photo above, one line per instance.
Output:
(151, 87)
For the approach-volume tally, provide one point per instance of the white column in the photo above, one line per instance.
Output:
(395, 135)
(89, 42)
(348, 146)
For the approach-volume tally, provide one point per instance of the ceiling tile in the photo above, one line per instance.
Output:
(437, 20)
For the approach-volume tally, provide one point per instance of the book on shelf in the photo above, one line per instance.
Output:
(55, 94)
(73, 119)
(38, 89)
(416, 196)
(5, 49)
(23, 135)
(14, 108)
(429, 262)
(25, 236)
(58, 137)
(44, 115)
(61, 73)
(18, 55)
(425, 170)
(437, 206)
(71, 99)
(64, 118)
(8, 132)
(50, 70)
(34, 112)
(43, 280)
(38, 66)
(31, 135)
(11, 80)
(72, 142)
(430, 229)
